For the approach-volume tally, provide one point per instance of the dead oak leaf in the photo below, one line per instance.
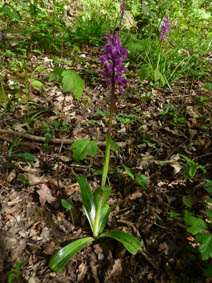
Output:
(45, 195)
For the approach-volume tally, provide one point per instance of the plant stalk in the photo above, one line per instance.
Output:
(107, 158)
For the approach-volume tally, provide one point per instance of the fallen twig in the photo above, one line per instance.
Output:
(43, 139)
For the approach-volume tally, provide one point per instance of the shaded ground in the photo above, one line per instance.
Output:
(33, 225)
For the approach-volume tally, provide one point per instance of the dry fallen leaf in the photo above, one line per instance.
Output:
(45, 195)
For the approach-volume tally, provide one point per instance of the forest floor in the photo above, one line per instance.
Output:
(33, 224)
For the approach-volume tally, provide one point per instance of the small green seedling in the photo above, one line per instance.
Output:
(191, 167)
(139, 179)
(15, 274)
(68, 207)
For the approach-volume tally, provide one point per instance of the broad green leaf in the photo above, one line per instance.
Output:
(129, 172)
(37, 83)
(87, 200)
(101, 194)
(105, 211)
(83, 147)
(61, 258)
(197, 224)
(206, 245)
(27, 156)
(67, 204)
(56, 74)
(142, 181)
(131, 243)
(72, 81)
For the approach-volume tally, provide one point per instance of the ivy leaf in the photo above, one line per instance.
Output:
(83, 147)
(72, 81)
(197, 224)
(206, 245)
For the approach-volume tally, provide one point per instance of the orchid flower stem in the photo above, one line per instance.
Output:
(107, 159)
(108, 139)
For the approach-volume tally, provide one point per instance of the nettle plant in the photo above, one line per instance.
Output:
(94, 202)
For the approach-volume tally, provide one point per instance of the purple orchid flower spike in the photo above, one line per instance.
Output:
(165, 28)
(122, 9)
(112, 59)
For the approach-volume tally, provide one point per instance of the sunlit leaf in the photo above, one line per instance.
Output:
(131, 243)
(56, 74)
(61, 258)
(206, 245)
(197, 225)
(83, 147)
(73, 82)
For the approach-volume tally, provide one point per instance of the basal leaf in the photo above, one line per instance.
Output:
(105, 211)
(72, 81)
(87, 199)
(83, 147)
(101, 194)
(61, 258)
(131, 243)
(197, 225)
(206, 245)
